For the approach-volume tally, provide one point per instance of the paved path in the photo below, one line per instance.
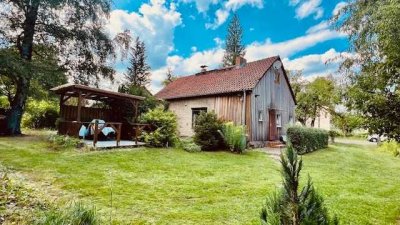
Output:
(275, 153)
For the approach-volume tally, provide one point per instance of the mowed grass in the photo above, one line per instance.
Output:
(170, 186)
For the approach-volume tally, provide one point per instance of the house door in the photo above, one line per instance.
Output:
(272, 130)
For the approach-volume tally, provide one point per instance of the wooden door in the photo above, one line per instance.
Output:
(272, 130)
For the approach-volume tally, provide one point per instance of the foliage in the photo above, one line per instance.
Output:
(38, 43)
(314, 97)
(233, 46)
(165, 125)
(306, 140)
(347, 122)
(333, 134)
(392, 147)
(207, 131)
(138, 72)
(297, 81)
(62, 142)
(150, 102)
(291, 207)
(189, 146)
(76, 214)
(372, 28)
(40, 114)
(4, 102)
(170, 77)
(234, 137)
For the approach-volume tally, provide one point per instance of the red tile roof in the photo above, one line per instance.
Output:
(219, 81)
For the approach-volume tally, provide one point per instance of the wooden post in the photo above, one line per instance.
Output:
(79, 106)
(119, 134)
(96, 125)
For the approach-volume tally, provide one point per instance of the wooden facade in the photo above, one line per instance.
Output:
(118, 110)
(265, 110)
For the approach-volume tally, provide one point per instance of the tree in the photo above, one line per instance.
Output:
(373, 29)
(291, 207)
(315, 96)
(233, 45)
(170, 77)
(297, 81)
(347, 122)
(31, 29)
(138, 72)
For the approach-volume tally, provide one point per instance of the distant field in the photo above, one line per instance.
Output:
(170, 186)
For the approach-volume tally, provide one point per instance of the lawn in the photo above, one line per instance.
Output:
(170, 186)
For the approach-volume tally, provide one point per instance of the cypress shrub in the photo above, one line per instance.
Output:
(304, 139)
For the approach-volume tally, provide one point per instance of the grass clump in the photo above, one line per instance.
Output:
(60, 142)
(76, 214)
(189, 146)
(392, 147)
(234, 137)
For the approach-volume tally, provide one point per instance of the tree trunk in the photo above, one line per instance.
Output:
(17, 107)
(312, 122)
(25, 47)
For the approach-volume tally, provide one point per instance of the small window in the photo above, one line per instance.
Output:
(291, 119)
(277, 77)
(260, 116)
(278, 120)
(195, 113)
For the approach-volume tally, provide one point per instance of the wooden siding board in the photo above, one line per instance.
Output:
(270, 95)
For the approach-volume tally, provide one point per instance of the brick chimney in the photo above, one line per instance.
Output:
(240, 61)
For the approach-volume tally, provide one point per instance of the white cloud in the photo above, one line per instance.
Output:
(222, 14)
(220, 17)
(338, 7)
(201, 5)
(287, 48)
(323, 25)
(154, 24)
(306, 8)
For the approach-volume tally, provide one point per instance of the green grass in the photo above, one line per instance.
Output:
(160, 186)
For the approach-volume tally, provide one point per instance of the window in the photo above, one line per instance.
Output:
(277, 77)
(291, 119)
(278, 120)
(195, 113)
(260, 116)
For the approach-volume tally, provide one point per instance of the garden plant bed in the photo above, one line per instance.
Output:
(171, 186)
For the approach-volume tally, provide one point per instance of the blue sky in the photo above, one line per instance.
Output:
(184, 34)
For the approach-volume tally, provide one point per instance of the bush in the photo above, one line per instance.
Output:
(306, 140)
(189, 146)
(60, 142)
(164, 122)
(207, 131)
(234, 137)
(333, 134)
(40, 114)
(291, 205)
(391, 147)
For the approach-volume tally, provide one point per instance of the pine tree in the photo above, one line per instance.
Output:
(138, 73)
(288, 206)
(233, 45)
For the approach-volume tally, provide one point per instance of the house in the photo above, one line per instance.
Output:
(322, 121)
(255, 94)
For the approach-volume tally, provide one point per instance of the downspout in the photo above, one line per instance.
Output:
(244, 108)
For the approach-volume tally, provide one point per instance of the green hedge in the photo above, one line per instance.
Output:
(306, 140)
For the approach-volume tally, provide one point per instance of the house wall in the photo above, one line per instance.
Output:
(323, 121)
(228, 108)
(270, 95)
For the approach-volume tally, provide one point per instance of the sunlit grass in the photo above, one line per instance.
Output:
(171, 186)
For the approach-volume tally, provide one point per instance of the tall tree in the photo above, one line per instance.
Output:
(233, 42)
(76, 38)
(373, 29)
(315, 96)
(138, 72)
